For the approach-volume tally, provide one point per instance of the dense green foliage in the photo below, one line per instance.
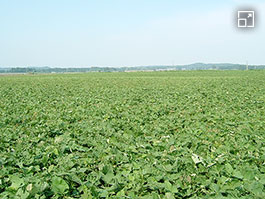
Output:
(150, 135)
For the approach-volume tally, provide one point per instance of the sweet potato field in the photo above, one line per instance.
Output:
(186, 134)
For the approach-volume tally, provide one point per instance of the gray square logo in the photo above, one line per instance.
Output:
(246, 19)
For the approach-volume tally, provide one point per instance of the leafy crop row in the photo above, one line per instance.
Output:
(133, 135)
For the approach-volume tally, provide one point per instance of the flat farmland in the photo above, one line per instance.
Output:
(182, 134)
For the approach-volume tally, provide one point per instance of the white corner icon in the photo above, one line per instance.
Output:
(246, 19)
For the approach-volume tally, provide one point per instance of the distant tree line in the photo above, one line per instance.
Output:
(196, 66)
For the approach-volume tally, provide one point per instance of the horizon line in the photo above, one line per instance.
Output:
(92, 66)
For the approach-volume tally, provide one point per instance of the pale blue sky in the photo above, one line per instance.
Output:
(78, 33)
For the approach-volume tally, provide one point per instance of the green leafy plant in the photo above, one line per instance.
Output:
(186, 134)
